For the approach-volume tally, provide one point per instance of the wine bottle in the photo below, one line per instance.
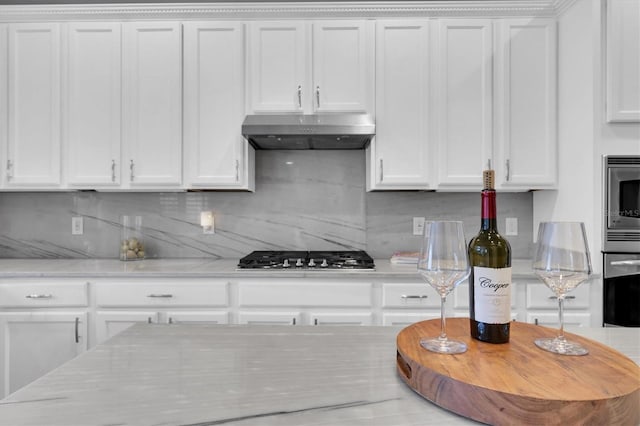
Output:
(490, 278)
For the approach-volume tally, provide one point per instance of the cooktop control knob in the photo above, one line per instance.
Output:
(299, 263)
(286, 264)
(324, 263)
(312, 263)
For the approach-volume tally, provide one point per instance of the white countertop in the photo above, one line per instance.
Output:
(198, 267)
(241, 375)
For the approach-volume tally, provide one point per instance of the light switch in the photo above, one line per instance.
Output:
(511, 226)
(418, 225)
(77, 225)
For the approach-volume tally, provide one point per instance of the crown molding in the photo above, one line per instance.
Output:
(277, 10)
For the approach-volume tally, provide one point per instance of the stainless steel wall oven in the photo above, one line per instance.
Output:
(621, 241)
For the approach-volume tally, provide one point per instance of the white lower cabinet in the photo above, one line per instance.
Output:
(542, 306)
(158, 301)
(42, 325)
(305, 302)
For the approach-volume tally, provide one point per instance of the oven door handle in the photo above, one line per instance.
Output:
(625, 263)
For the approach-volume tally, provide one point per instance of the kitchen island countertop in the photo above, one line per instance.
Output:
(200, 267)
(241, 375)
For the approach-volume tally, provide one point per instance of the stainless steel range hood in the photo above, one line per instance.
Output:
(316, 131)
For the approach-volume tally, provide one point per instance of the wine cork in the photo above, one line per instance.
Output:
(488, 179)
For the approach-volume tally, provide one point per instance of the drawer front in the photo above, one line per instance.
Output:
(43, 295)
(304, 294)
(539, 296)
(161, 294)
(409, 296)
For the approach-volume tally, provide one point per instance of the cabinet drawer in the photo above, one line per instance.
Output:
(262, 293)
(43, 295)
(409, 296)
(155, 294)
(539, 296)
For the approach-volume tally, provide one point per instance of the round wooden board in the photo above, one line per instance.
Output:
(518, 383)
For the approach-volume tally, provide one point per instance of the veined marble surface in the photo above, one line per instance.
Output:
(195, 267)
(241, 375)
(304, 200)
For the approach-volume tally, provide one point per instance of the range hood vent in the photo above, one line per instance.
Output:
(316, 131)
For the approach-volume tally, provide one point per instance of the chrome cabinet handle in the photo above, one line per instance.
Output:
(77, 327)
(299, 96)
(9, 170)
(170, 320)
(113, 170)
(149, 320)
(131, 175)
(318, 96)
(565, 298)
(414, 296)
(625, 263)
(508, 170)
(39, 296)
(381, 171)
(237, 170)
(294, 321)
(161, 295)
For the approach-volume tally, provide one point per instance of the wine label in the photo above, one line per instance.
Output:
(492, 294)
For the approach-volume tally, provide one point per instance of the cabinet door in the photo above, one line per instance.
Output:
(108, 324)
(152, 79)
(341, 318)
(399, 154)
(93, 104)
(216, 154)
(198, 317)
(623, 60)
(279, 66)
(33, 148)
(463, 101)
(269, 318)
(525, 88)
(3, 100)
(34, 343)
(343, 63)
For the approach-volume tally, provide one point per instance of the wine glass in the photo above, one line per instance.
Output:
(443, 264)
(562, 262)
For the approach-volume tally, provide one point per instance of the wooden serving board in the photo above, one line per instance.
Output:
(518, 383)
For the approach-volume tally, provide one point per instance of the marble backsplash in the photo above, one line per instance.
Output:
(304, 200)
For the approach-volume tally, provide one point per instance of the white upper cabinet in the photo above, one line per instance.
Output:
(306, 67)
(279, 67)
(343, 64)
(33, 141)
(463, 106)
(623, 60)
(525, 147)
(495, 86)
(93, 104)
(216, 154)
(399, 155)
(152, 107)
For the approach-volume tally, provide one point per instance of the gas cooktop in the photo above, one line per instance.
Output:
(307, 260)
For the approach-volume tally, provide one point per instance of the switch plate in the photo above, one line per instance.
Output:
(418, 225)
(77, 225)
(511, 226)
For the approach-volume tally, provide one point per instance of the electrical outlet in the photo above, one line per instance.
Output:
(418, 225)
(511, 226)
(77, 225)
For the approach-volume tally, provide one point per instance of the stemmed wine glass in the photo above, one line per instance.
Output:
(562, 262)
(443, 264)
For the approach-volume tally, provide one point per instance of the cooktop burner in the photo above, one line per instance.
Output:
(307, 260)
